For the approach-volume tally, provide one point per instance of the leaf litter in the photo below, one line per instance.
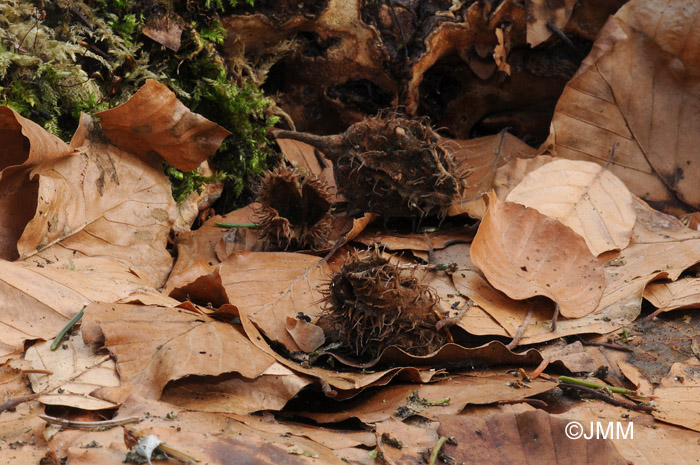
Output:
(278, 374)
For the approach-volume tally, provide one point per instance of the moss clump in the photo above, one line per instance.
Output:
(66, 56)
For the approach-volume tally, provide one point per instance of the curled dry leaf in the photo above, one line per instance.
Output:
(102, 202)
(677, 396)
(307, 157)
(401, 401)
(155, 121)
(643, 94)
(661, 248)
(156, 345)
(684, 293)
(524, 253)
(585, 197)
(233, 393)
(25, 145)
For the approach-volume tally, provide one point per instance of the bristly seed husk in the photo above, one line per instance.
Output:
(371, 304)
(390, 165)
(295, 210)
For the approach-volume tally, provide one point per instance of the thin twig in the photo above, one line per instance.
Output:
(607, 345)
(102, 424)
(514, 343)
(611, 400)
(564, 38)
(555, 317)
(612, 154)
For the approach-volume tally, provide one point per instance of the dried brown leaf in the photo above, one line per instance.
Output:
(477, 161)
(479, 388)
(642, 94)
(268, 287)
(156, 345)
(307, 157)
(653, 441)
(585, 197)
(660, 248)
(72, 358)
(684, 293)
(508, 438)
(678, 397)
(155, 121)
(235, 394)
(524, 253)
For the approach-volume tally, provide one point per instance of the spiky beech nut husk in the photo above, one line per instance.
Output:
(295, 210)
(390, 165)
(371, 304)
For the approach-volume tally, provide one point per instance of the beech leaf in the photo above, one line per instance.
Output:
(524, 253)
(585, 197)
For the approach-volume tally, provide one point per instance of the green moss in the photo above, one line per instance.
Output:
(90, 56)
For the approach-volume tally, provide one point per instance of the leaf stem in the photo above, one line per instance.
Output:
(237, 225)
(436, 450)
(580, 382)
(67, 328)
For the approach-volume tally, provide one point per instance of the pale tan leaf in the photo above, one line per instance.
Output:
(646, 98)
(678, 396)
(509, 175)
(585, 197)
(672, 24)
(524, 253)
(684, 293)
(268, 287)
(542, 12)
(308, 337)
(156, 345)
(70, 359)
